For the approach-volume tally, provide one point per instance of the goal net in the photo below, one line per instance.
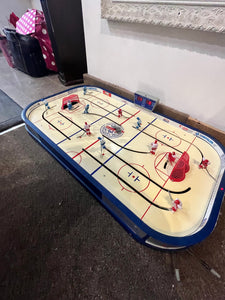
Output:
(181, 168)
(72, 98)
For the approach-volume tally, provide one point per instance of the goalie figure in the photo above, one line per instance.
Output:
(204, 163)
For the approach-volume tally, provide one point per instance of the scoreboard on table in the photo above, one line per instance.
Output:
(145, 100)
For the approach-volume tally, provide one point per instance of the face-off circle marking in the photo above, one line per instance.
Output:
(134, 178)
(112, 130)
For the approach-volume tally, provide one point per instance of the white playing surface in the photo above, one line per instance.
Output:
(133, 146)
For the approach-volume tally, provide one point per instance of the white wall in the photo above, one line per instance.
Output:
(36, 4)
(19, 7)
(184, 68)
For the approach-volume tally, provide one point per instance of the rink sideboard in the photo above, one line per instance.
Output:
(164, 195)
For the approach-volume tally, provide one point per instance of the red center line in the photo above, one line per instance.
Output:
(98, 140)
(130, 117)
(85, 149)
(154, 199)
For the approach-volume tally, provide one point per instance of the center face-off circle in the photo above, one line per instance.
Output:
(112, 130)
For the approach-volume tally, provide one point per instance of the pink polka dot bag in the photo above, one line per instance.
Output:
(33, 23)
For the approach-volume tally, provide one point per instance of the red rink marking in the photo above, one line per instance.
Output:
(191, 144)
(164, 185)
(154, 199)
(85, 149)
(172, 133)
(131, 191)
(129, 118)
(160, 159)
(62, 129)
(45, 117)
(159, 169)
(77, 161)
(162, 173)
(111, 128)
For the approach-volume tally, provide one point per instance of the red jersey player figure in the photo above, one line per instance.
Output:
(87, 128)
(120, 113)
(204, 163)
(154, 146)
(172, 157)
(177, 204)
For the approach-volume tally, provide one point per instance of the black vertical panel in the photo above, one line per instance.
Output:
(65, 27)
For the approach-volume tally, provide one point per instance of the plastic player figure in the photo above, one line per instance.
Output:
(46, 104)
(177, 204)
(85, 90)
(86, 109)
(154, 146)
(69, 105)
(204, 163)
(120, 113)
(172, 157)
(102, 143)
(138, 123)
(87, 128)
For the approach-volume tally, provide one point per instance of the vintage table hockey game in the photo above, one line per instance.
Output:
(137, 187)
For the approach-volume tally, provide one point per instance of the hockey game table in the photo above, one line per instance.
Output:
(110, 154)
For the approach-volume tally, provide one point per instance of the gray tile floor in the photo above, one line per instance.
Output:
(25, 89)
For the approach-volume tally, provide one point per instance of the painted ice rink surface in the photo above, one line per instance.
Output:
(126, 168)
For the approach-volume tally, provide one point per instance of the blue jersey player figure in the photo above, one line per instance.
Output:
(69, 105)
(138, 123)
(102, 144)
(86, 109)
(46, 104)
(85, 90)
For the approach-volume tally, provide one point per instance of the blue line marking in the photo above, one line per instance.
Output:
(124, 145)
(92, 123)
